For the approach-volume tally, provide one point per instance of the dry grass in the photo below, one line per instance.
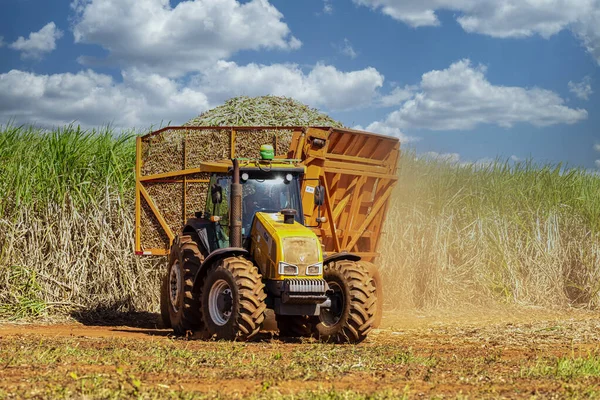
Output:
(61, 259)
(521, 234)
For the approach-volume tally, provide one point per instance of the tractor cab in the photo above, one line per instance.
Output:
(269, 186)
(263, 191)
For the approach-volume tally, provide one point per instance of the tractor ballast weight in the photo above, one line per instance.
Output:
(295, 230)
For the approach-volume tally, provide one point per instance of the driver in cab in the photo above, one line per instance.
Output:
(259, 200)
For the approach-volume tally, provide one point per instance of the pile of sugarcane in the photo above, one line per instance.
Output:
(263, 111)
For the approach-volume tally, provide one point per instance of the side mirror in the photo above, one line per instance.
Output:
(319, 195)
(216, 193)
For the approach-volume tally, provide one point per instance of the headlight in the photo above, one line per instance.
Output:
(287, 269)
(315, 269)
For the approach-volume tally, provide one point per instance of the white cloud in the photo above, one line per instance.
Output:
(583, 89)
(94, 99)
(153, 36)
(461, 97)
(348, 50)
(506, 18)
(2, 41)
(327, 7)
(515, 158)
(587, 28)
(39, 43)
(597, 162)
(383, 129)
(323, 86)
(396, 97)
(597, 147)
(143, 99)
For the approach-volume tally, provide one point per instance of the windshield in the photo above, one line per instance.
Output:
(258, 195)
(269, 195)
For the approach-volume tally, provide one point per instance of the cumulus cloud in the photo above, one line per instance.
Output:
(587, 28)
(396, 97)
(323, 86)
(153, 36)
(503, 19)
(143, 98)
(383, 129)
(39, 43)
(94, 99)
(327, 7)
(583, 89)
(460, 97)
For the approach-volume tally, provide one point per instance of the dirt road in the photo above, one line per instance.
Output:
(516, 354)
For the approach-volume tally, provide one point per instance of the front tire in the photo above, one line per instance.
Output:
(233, 300)
(354, 303)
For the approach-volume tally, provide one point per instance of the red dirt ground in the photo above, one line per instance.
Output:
(519, 353)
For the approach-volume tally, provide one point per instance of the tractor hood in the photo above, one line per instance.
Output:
(280, 244)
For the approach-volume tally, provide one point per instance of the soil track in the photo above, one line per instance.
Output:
(516, 354)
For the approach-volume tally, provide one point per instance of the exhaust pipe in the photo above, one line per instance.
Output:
(235, 220)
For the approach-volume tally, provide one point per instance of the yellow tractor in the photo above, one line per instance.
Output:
(257, 245)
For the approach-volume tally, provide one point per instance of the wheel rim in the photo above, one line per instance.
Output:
(220, 302)
(331, 316)
(174, 285)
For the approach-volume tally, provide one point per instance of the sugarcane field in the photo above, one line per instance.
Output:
(255, 199)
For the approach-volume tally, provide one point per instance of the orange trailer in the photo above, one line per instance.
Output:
(357, 169)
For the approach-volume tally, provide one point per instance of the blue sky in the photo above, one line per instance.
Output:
(466, 80)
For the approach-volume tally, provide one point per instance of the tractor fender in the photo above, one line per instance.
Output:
(202, 231)
(213, 258)
(344, 255)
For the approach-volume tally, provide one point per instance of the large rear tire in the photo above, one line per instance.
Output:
(374, 272)
(233, 300)
(354, 302)
(182, 304)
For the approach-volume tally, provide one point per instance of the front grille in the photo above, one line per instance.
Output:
(304, 291)
(304, 286)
